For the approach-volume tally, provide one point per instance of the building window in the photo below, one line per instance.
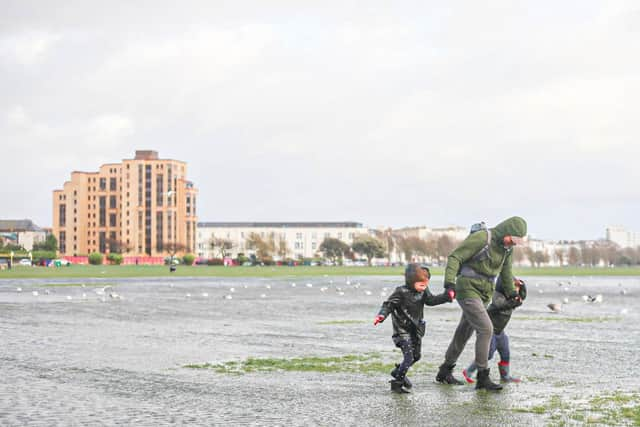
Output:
(159, 190)
(113, 184)
(299, 236)
(63, 215)
(112, 220)
(103, 184)
(62, 244)
(102, 242)
(112, 202)
(313, 245)
(159, 237)
(102, 214)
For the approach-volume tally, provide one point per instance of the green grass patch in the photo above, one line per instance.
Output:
(102, 271)
(614, 409)
(79, 285)
(343, 322)
(370, 363)
(571, 319)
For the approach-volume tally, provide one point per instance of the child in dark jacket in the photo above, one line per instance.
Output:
(406, 306)
(500, 311)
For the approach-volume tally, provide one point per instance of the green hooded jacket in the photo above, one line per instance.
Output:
(498, 261)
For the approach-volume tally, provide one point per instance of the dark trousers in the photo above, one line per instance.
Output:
(411, 346)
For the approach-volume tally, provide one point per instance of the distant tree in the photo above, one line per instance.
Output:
(518, 254)
(531, 255)
(174, 248)
(264, 248)
(95, 258)
(283, 248)
(411, 246)
(50, 244)
(115, 258)
(540, 257)
(369, 246)
(444, 246)
(222, 245)
(333, 249)
(118, 246)
(559, 254)
(574, 256)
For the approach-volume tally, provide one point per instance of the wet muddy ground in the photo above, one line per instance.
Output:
(221, 351)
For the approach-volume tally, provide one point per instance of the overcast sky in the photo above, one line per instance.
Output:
(385, 113)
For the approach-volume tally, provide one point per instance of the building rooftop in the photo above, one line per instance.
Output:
(18, 225)
(345, 224)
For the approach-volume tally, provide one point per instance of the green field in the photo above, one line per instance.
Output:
(207, 271)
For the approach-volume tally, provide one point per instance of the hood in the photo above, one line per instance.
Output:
(514, 226)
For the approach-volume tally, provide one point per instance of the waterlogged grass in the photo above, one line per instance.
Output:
(343, 322)
(615, 409)
(371, 363)
(571, 319)
(88, 285)
(101, 271)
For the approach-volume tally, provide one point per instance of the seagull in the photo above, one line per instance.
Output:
(263, 296)
(309, 285)
(367, 292)
(565, 301)
(228, 297)
(114, 295)
(18, 289)
(555, 307)
(293, 285)
(102, 291)
(204, 294)
(232, 289)
(268, 286)
(34, 293)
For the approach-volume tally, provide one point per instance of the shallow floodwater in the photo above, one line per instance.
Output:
(74, 355)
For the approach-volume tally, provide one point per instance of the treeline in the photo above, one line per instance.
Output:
(602, 253)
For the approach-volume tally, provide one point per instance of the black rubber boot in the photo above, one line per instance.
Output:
(484, 382)
(394, 374)
(445, 375)
(397, 386)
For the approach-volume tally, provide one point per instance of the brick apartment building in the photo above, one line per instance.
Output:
(144, 206)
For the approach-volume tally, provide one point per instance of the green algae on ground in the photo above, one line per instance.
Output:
(87, 285)
(342, 322)
(369, 363)
(617, 408)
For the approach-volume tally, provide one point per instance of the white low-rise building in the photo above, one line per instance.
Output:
(291, 239)
(622, 237)
(22, 232)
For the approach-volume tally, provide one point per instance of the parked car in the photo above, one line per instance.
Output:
(25, 262)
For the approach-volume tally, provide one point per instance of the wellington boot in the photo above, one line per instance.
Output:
(505, 375)
(484, 382)
(397, 386)
(467, 374)
(445, 375)
(407, 384)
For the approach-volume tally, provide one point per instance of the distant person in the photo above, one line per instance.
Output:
(472, 269)
(500, 312)
(406, 306)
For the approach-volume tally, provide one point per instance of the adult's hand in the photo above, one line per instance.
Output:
(379, 319)
(452, 295)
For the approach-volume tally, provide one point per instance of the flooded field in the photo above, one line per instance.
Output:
(248, 351)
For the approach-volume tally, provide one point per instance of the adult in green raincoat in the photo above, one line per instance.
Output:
(472, 269)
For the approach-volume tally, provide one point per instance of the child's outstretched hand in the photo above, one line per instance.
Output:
(379, 319)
